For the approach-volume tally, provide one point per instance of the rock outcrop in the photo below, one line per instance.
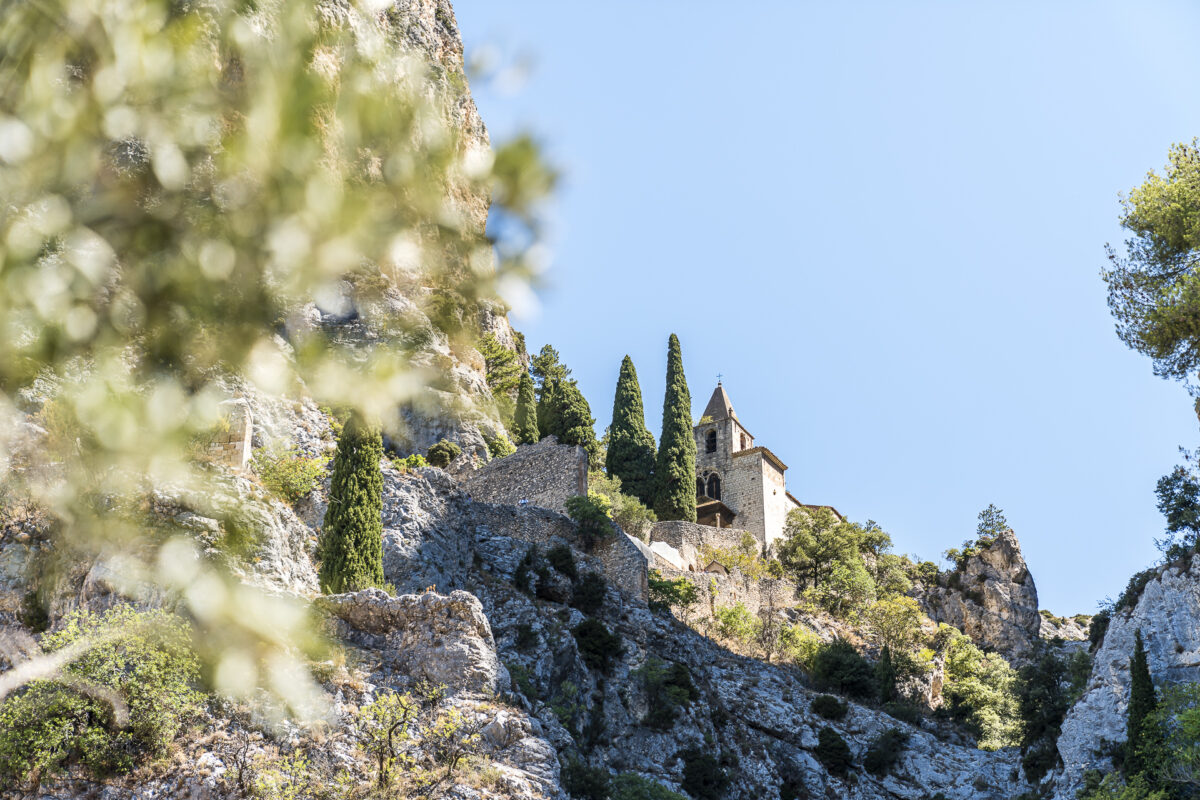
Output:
(991, 598)
(1168, 615)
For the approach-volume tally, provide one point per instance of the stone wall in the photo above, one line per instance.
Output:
(620, 557)
(231, 446)
(545, 474)
(686, 538)
(718, 591)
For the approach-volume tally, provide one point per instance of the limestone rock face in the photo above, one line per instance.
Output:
(444, 639)
(992, 599)
(1168, 615)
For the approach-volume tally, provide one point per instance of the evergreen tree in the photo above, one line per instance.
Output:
(569, 417)
(631, 450)
(525, 423)
(547, 368)
(1142, 702)
(886, 676)
(675, 470)
(352, 534)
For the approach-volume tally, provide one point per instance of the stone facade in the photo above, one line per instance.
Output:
(684, 540)
(738, 483)
(232, 446)
(545, 474)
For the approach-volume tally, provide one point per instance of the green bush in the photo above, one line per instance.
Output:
(833, 752)
(628, 786)
(627, 511)
(703, 776)
(826, 706)
(442, 453)
(590, 592)
(736, 622)
(409, 463)
(668, 689)
(597, 645)
(287, 474)
(499, 445)
(885, 751)
(119, 704)
(838, 667)
(527, 637)
(665, 594)
(561, 559)
(593, 517)
(903, 711)
(583, 782)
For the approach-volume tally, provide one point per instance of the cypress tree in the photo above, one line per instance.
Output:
(1142, 702)
(525, 424)
(352, 534)
(549, 409)
(573, 419)
(675, 470)
(631, 450)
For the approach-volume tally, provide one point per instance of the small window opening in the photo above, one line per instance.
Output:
(710, 442)
(714, 487)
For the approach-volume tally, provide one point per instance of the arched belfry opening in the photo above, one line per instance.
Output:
(714, 487)
(710, 442)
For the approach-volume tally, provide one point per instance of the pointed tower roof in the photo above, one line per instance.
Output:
(719, 406)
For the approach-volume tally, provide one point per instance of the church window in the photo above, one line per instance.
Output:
(714, 487)
(710, 442)
(699, 487)
(743, 441)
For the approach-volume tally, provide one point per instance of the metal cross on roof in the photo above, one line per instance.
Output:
(718, 377)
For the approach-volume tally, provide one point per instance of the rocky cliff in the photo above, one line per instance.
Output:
(1168, 615)
(991, 598)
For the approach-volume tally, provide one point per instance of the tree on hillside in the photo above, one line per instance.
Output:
(351, 549)
(564, 412)
(525, 424)
(546, 367)
(991, 523)
(631, 451)
(1179, 501)
(1154, 289)
(503, 370)
(814, 543)
(675, 470)
(1139, 743)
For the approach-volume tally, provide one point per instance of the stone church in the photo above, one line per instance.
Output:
(739, 484)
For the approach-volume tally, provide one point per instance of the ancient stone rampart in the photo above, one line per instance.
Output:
(687, 539)
(544, 474)
(620, 557)
(231, 445)
(715, 590)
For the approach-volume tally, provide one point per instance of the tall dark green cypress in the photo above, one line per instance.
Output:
(352, 534)
(1142, 702)
(675, 470)
(525, 424)
(574, 420)
(631, 450)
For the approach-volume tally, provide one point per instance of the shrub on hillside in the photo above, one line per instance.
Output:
(833, 752)
(885, 751)
(838, 667)
(736, 622)
(826, 706)
(666, 594)
(121, 703)
(561, 558)
(442, 453)
(409, 463)
(668, 690)
(589, 593)
(499, 445)
(703, 776)
(287, 474)
(593, 516)
(628, 786)
(627, 511)
(597, 645)
(583, 782)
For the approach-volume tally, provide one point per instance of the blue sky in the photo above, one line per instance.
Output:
(883, 223)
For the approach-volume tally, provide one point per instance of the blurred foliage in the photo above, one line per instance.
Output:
(120, 701)
(181, 183)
